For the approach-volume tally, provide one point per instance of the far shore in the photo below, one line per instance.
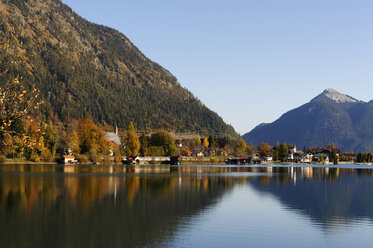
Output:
(206, 161)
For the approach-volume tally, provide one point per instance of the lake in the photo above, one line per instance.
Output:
(195, 206)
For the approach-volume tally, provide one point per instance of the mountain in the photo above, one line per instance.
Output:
(84, 69)
(331, 117)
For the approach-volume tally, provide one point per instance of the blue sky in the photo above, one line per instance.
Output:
(250, 60)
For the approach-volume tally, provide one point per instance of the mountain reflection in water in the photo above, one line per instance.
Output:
(105, 206)
(327, 195)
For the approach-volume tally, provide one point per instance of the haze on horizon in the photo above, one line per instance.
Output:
(250, 61)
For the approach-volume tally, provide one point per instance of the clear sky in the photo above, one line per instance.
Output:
(250, 60)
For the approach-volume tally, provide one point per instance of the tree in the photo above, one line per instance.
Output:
(198, 140)
(73, 142)
(334, 156)
(205, 142)
(283, 152)
(131, 127)
(212, 141)
(359, 158)
(132, 141)
(250, 149)
(90, 136)
(144, 145)
(166, 141)
(276, 153)
(16, 102)
(322, 159)
(264, 149)
(240, 147)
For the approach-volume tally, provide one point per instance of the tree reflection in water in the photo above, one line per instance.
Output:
(105, 206)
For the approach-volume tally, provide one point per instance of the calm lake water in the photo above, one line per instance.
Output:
(104, 206)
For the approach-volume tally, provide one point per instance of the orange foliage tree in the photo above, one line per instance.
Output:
(91, 137)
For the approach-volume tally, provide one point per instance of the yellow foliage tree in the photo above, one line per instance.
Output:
(132, 143)
(205, 142)
(240, 148)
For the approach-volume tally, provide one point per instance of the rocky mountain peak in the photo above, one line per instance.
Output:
(337, 97)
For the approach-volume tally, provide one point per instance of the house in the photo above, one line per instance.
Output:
(320, 157)
(307, 158)
(293, 150)
(199, 151)
(298, 157)
(268, 158)
(185, 152)
(210, 152)
(294, 155)
(68, 159)
(221, 152)
(253, 159)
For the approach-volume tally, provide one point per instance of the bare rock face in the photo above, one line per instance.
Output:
(337, 97)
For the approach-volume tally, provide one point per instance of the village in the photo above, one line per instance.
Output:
(193, 149)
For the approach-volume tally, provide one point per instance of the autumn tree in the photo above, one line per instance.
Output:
(73, 142)
(205, 142)
(197, 141)
(240, 148)
(131, 127)
(91, 138)
(132, 143)
(16, 101)
(264, 149)
(250, 150)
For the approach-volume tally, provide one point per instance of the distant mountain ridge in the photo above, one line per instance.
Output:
(84, 69)
(331, 117)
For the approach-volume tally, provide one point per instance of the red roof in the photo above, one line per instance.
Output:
(68, 156)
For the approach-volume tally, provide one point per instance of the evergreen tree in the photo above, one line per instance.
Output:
(144, 145)
(334, 156)
(283, 152)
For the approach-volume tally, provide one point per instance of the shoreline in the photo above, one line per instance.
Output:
(200, 163)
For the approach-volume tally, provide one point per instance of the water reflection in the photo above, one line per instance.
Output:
(330, 196)
(106, 206)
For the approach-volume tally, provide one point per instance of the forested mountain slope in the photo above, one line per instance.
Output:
(83, 69)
